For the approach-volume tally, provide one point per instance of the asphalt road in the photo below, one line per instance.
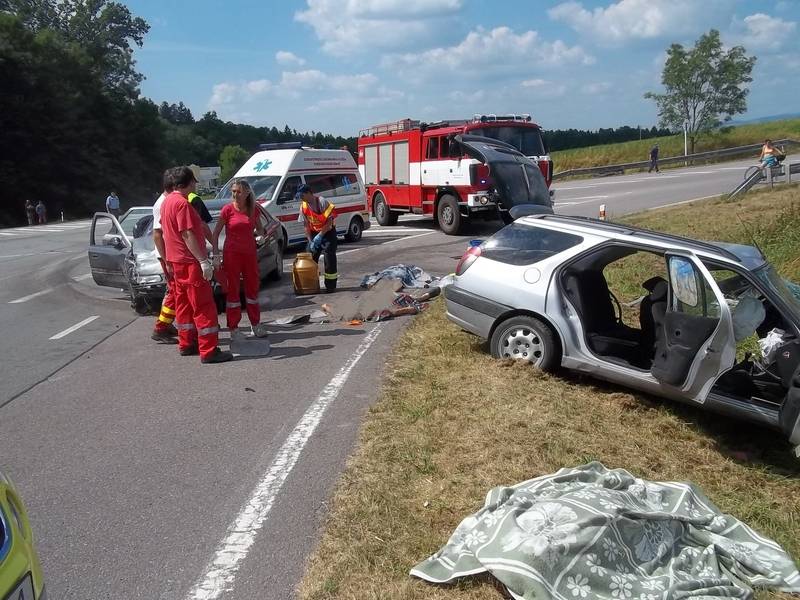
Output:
(149, 475)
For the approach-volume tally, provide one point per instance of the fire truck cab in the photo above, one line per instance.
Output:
(414, 167)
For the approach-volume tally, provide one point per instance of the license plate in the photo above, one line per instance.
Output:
(23, 591)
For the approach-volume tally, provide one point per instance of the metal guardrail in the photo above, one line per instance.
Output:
(700, 156)
(765, 174)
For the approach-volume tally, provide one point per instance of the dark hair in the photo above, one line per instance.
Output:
(182, 176)
(251, 199)
(168, 181)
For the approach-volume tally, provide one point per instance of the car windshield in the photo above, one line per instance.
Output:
(263, 187)
(129, 219)
(527, 140)
(768, 276)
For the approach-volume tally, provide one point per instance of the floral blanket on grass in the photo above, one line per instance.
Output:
(592, 532)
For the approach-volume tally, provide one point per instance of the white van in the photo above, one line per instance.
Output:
(275, 173)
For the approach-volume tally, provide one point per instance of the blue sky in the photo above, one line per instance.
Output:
(341, 65)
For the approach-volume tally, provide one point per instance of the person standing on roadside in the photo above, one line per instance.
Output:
(30, 211)
(112, 204)
(164, 331)
(239, 258)
(317, 215)
(41, 213)
(653, 159)
(196, 313)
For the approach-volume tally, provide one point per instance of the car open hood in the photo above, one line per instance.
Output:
(517, 179)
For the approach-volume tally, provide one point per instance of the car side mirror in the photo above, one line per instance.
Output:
(117, 242)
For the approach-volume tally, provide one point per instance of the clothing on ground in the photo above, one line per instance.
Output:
(592, 532)
(411, 276)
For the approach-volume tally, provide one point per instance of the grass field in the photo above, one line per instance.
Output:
(612, 154)
(452, 422)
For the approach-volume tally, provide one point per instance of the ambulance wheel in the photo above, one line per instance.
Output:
(449, 216)
(354, 230)
(383, 215)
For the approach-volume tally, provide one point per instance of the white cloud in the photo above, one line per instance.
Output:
(633, 19)
(348, 26)
(763, 32)
(544, 88)
(288, 59)
(222, 93)
(596, 88)
(482, 53)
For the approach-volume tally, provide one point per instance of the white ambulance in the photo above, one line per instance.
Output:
(276, 171)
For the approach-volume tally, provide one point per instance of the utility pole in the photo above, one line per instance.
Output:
(685, 142)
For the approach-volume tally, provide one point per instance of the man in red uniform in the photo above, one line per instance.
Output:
(184, 239)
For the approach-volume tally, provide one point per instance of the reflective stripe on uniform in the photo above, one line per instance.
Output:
(185, 326)
(252, 301)
(331, 276)
(233, 304)
(208, 330)
(167, 310)
(166, 319)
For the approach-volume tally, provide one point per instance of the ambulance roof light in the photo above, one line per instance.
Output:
(281, 146)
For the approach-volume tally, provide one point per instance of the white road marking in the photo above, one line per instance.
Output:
(46, 230)
(82, 277)
(26, 298)
(586, 200)
(411, 237)
(221, 571)
(8, 233)
(393, 230)
(75, 327)
(82, 255)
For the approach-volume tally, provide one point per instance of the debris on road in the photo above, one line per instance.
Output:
(597, 532)
(411, 276)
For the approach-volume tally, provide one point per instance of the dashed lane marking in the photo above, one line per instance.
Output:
(221, 571)
(82, 277)
(75, 327)
(31, 296)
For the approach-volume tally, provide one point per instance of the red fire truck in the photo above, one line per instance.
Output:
(413, 167)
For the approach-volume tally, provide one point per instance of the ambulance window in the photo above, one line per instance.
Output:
(322, 185)
(288, 190)
(347, 184)
(433, 147)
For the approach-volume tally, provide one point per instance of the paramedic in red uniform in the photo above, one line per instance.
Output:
(317, 215)
(196, 313)
(239, 259)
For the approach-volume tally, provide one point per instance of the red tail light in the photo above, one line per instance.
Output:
(479, 175)
(470, 256)
(546, 167)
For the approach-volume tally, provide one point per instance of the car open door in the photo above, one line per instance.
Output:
(108, 248)
(695, 343)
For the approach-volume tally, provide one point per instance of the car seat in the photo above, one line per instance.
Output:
(606, 335)
(651, 315)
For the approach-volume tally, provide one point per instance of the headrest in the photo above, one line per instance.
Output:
(658, 288)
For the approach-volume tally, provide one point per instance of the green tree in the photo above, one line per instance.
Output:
(230, 159)
(704, 86)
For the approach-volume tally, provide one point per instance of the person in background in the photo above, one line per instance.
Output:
(653, 159)
(239, 258)
(41, 213)
(112, 204)
(769, 154)
(317, 215)
(30, 211)
(205, 216)
(196, 313)
(164, 331)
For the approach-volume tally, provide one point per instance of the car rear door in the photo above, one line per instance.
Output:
(268, 251)
(108, 248)
(695, 343)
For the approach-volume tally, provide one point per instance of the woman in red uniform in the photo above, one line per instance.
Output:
(239, 260)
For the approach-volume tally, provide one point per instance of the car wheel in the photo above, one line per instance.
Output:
(140, 306)
(354, 230)
(449, 216)
(526, 338)
(277, 273)
(383, 215)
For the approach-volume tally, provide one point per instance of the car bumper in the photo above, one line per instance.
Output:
(472, 312)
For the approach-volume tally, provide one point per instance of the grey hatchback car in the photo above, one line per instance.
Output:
(539, 291)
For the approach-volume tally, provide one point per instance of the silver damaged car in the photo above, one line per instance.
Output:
(538, 291)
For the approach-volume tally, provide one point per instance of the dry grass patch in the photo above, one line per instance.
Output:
(452, 422)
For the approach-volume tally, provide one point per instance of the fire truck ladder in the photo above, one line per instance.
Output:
(387, 128)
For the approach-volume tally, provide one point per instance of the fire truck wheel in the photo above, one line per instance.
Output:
(383, 215)
(450, 219)
(354, 230)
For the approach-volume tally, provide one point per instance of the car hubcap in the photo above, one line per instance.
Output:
(523, 343)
